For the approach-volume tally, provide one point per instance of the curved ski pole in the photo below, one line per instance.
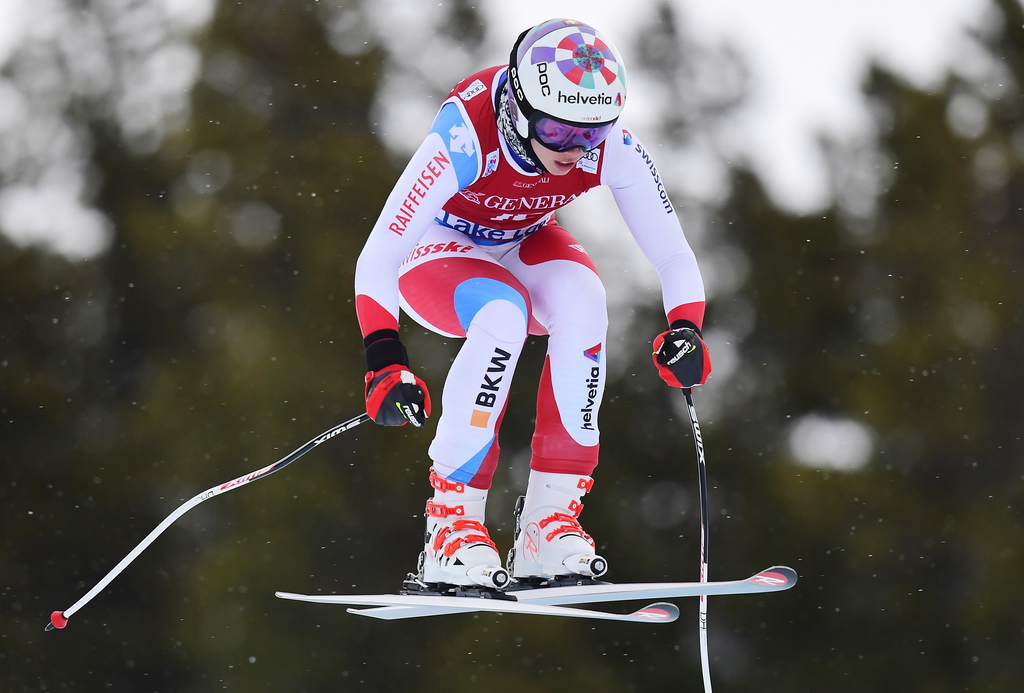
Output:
(698, 441)
(59, 619)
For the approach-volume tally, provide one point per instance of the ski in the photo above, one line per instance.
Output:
(540, 599)
(662, 612)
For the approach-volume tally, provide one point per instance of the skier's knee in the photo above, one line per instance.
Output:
(500, 310)
(502, 320)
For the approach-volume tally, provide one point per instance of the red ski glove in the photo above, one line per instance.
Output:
(394, 397)
(682, 356)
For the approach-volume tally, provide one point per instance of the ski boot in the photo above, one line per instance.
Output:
(550, 544)
(458, 551)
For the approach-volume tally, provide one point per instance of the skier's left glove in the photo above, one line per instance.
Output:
(394, 396)
(682, 356)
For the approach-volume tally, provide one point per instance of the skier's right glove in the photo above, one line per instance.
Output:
(394, 396)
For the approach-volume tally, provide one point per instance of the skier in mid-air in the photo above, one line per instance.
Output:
(468, 246)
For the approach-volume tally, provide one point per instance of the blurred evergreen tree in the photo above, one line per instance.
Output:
(217, 334)
(214, 335)
(903, 315)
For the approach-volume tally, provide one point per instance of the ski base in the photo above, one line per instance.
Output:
(552, 601)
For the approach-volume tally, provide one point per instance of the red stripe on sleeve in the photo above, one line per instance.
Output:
(373, 316)
(694, 312)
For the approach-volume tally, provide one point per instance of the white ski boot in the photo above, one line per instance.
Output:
(549, 541)
(457, 548)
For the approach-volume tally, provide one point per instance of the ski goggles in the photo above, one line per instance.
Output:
(561, 137)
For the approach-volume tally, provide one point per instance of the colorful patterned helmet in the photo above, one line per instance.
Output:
(567, 84)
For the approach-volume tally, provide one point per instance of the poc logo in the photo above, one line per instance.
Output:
(542, 77)
(516, 86)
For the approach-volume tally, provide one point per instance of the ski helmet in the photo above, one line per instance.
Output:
(567, 85)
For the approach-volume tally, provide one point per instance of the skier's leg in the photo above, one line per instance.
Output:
(465, 448)
(455, 288)
(569, 302)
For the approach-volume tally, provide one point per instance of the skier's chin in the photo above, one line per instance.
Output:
(557, 163)
(560, 168)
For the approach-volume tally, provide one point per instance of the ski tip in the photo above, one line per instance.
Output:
(57, 620)
(295, 597)
(780, 577)
(659, 612)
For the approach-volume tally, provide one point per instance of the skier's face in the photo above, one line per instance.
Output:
(557, 163)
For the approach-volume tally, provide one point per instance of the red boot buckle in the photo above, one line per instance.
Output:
(441, 511)
(442, 484)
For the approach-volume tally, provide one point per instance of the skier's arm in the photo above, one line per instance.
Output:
(642, 200)
(446, 161)
(629, 171)
(426, 184)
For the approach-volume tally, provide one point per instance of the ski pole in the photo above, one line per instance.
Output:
(702, 476)
(59, 619)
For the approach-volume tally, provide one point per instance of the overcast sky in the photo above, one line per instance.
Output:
(807, 59)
